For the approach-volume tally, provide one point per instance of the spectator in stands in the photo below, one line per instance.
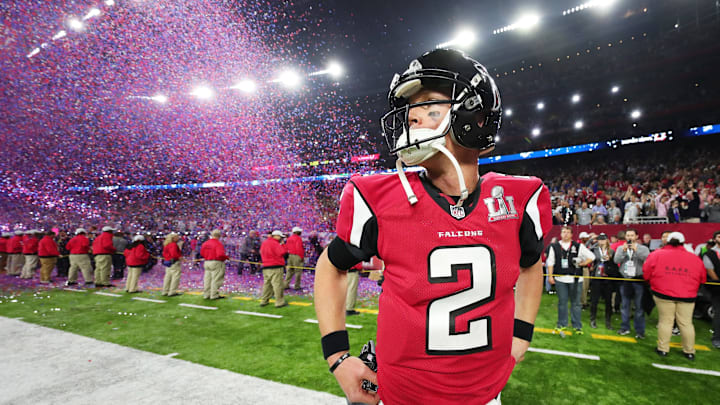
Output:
(118, 258)
(633, 207)
(213, 252)
(30, 251)
(4, 241)
(648, 206)
(630, 258)
(273, 255)
(646, 239)
(711, 212)
(250, 250)
(295, 260)
(136, 257)
(48, 253)
(583, 216)
(662, 203)
(694, 207)
(599, 210)
(674, 215)
(565, 261)
(711, 260)
(564, 213)
(103, 249)
(675, 275)
(614, 213)
(604, 267)
(63, 262)
(79, 248)
(172, 260)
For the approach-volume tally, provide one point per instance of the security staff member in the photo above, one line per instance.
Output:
(4, 251)
(79, 248)
(103, 250)
(273, 256)
(30, 251)
(136, 257)
(214, 254)
(15, 249)
(172, 260)
(48, 252)
(711, 260)
(296, 258)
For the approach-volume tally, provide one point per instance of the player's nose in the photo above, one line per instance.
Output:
(416, 116)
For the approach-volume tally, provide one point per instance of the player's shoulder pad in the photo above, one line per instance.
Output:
(381, 189)
(518, 184)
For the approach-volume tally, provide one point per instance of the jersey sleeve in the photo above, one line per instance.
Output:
(357, 230)
(536, 223)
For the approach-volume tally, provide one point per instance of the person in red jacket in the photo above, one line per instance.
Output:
(172, 261)
(16, 258)
(103, 249)
(675, 275)
(79, 248)
(48, 252)
(214, 254)
(30, 251)
(273, 255)
(136, 257)
(296, 258)
(4, 242)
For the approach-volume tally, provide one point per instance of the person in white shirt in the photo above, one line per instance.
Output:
(565, 261)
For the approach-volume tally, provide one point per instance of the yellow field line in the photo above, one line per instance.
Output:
(614, 338)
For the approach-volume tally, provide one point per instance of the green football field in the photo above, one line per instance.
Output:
(287, 349)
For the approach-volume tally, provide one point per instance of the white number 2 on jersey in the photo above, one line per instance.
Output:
(443, 266)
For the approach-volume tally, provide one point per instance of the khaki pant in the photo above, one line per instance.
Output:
(273, 285)
(680, 312)
(586, 285)
(132, 279)
(15, 264)
(353, 279)
(214, 278)
(31, 264)
(3, 261)
(47, 264)
(172, 279)
(294, 262)
(103, 263)
(81, 262)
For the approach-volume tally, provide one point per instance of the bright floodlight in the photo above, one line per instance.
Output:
(575, 98)
(464, 39)
(335, 70)
(159, 98)
(536, 131)
(497, 138)
(75, 24)
(578, 124)
(635, 114)
(246, 86)
(527, 21)
(109, 3)
(508, 112)
(60, 34)
(289, 79)
(615, 89)
(203, 92)
(540, 105)
(94, 12)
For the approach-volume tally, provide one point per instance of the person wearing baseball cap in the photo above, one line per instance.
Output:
(79, 248)
(675, 275)
(4, 240)
(103, 249)
(136, 257)
(295, 260)
(273, 254)
(30, 251)
(15, 248)
(213, 252)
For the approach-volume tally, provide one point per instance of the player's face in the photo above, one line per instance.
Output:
(427, 116)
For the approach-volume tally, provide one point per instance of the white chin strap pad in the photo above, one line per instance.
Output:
(414, 155)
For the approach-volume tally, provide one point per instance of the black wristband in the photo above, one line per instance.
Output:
(523, 330)
(339, 361)
(335, 342)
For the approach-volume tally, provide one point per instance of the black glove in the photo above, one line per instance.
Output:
(367, 355)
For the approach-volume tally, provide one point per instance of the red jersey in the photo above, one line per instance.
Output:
(47, 247)
(272, 253)
(294, 246)
(212, 249)
(171, 251)
(102, 245)
(445, 323)
(674, 273)
(78, 245)
(30, 246)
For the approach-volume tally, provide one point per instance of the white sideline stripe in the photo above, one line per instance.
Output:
(258, 314)
(148, 300)
(171, 354)
(346, 325)
(195, 306)
(74, 290)
(107, 294)
(687, 370)
(567, 354)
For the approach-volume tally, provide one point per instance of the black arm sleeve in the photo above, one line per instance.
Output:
(343, 255)
(531, 247)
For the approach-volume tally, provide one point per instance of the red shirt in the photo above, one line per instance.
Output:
(79, 245)
(15, 245)
(47, 247)
(4, 242)
(102, 245)
(171, 251)
(213, 250)
(272, 253)
(673, 272)
(137, 256)
(294, 246)
(445, 327)
(30, 247)
(617, 244)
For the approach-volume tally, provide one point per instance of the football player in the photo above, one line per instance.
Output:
(451, 327)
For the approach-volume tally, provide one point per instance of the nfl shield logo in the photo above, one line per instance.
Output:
(457, 212)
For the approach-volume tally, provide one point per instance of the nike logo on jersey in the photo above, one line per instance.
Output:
(459, 234)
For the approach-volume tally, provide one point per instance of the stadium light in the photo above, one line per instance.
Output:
(75, 24)
(203, 92)
(245, 85)
(524, 23)
(464, 39)
(94, 12)
(159, 98)
(635, 114)
(536, 131)
(600, 4)
(509, 112)
(497, 138)
(289, 79)
(578, 124)
(334, 69)
(575, 98)
(615, 89)
(60, 34)
(541, 106)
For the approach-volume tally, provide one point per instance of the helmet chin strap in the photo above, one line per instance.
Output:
(412, 198)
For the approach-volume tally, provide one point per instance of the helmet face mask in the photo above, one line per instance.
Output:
(474, 114)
